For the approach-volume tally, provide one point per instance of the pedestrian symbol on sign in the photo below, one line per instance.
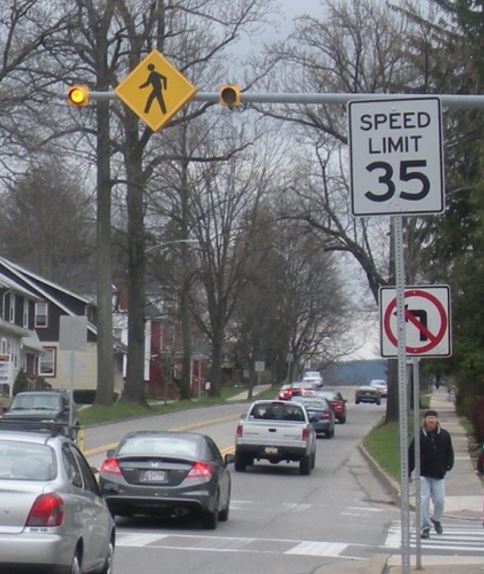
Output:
(158, 83)
(155, 90)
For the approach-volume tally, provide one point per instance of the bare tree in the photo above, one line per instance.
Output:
(293, 301)
(353, 48)
(46, 223)
(224, 221)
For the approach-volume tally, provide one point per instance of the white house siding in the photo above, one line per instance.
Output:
(84, 370)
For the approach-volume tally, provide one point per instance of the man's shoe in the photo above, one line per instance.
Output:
(425, 533)
(437, 526)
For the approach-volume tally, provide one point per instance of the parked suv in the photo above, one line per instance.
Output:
(43, 407)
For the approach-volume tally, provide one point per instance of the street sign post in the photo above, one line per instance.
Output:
(155, 90)
(72, 338)
(396, 158)
(427, 321)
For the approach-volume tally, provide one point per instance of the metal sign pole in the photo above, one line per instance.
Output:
(402, 393)
(71, 392)
(416, 430)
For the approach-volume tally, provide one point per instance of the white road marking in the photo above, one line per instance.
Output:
(455, 538)
(296, 507)
(359, 511)
(137, 539)
(306, 548)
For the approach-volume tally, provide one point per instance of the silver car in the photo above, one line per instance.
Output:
(52, 517)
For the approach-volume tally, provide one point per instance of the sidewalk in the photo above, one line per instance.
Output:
(257, 389)
(464, 497)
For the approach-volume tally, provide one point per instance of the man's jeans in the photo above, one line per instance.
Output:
(431, 489)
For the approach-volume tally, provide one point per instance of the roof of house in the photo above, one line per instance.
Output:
(39, 285)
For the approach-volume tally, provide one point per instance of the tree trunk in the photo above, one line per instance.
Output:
(185, 390)
(105, 363)
(105, 367)
(216, 368)
(392, 410)
(134, 387)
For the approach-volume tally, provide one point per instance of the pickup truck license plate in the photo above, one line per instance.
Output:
(270, 450)
(152, 476)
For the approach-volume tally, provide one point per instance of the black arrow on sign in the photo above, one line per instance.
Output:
(417, 317)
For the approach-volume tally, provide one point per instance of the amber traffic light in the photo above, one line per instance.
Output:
(78, 96)
(229, 95)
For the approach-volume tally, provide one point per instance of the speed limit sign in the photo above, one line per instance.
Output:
(396, 157)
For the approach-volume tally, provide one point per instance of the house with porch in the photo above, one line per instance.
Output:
(49, 302)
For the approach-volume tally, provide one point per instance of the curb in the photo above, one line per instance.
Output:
(376, 565)
(387, 481)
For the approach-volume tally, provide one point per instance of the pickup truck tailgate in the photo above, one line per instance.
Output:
(273, 433)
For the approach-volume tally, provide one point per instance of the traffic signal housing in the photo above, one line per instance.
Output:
(78, 96)
(229, 95)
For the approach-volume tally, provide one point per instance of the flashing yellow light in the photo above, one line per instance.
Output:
(78, 96)
(229, 95)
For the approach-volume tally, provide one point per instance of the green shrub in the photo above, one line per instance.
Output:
(21, 383)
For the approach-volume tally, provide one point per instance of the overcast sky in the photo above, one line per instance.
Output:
(365, 332)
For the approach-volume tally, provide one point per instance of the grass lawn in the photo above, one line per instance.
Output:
(383, 442)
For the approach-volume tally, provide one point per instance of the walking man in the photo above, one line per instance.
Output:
(158, 83)
(436, 458)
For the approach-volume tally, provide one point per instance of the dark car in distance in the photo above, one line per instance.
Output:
(337, 402)
(320, 414)
(44, 407)
(167, 473)
(367, 394)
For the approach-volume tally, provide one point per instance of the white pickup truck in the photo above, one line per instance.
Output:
(275, 431)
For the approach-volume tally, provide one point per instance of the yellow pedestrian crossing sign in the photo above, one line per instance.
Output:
(155, 90)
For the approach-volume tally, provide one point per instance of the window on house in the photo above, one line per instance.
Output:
(12, 308)
(47, 363)
(25, 322)
(41, 314)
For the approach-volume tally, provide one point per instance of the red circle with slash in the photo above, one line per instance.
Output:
(434, 339)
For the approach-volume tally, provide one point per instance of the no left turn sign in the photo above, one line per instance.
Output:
(427, 321)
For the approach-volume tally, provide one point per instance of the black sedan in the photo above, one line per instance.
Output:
(367, 394)
(320, 414)
(171, 473)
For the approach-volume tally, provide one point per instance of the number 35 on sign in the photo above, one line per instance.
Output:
(396, 157)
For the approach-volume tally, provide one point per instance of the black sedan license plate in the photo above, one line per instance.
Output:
(152, 476)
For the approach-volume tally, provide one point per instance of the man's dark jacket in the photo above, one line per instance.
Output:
(436, 453)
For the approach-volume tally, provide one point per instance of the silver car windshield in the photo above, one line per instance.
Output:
(156, 445)
(26, 461)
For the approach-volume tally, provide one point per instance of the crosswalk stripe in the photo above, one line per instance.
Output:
(465, 538)
(137, 539)
(317, 548)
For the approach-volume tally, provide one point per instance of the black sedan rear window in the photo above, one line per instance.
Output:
(159, 445)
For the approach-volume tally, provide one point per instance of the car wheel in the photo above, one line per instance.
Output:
(357, 402)
(313, 460)
(240, 462)
(378, 402)
(305, 465)
(330, 433)
(76, 566)
(210, 519)
(108, 562)
(223, 515)
(342, 420)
